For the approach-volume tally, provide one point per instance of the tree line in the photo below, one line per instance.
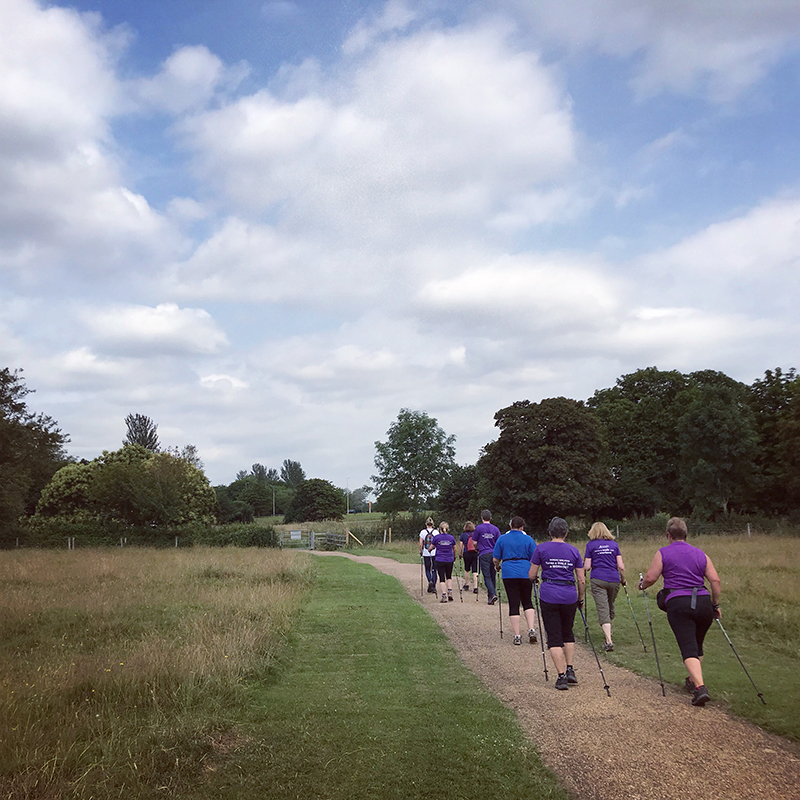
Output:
(700, 444)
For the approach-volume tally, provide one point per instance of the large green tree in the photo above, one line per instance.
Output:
(457, 497)
(413, 462)
(549, 460)
(718, 444)
(292, 474)
(133, 486)
(639, 418)
(31, 450)
(315, 500)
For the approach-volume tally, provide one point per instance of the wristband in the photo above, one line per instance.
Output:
(715, 606)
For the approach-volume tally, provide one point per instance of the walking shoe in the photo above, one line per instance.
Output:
(700, 696)
(517, 640)
(571, 677)
(608, 647)
(492, 599)
(475, 591)
(562, 682)
(689, 684)
(449, 598)
(532, 636)
(444, 599)
(466, 587)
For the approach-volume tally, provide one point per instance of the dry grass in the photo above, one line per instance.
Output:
(111, 658)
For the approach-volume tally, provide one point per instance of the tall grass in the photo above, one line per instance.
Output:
(117, 664)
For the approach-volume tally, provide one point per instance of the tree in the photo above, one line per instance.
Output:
(457, 498)
(132, 486)
(31, 450)
(717, 440)
(639, 418)
(549, 460)
(358, 498)
(414, 461)
(143, 431)
(292, 473)
(315, 500)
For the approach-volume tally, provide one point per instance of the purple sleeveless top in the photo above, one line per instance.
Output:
(684, 569)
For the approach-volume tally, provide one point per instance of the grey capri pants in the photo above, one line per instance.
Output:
(604, 593)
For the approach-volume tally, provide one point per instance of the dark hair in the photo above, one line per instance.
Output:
(517, 523)
(486, 515)
(558, 527)
(677, 529)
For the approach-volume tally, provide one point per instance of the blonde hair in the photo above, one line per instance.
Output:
(600, 531)
(444, 527)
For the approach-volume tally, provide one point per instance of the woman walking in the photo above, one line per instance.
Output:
(469, 553)
(563, 586)
(445, 545)
(427, 552)
(691, 608)
(603, 558)
(512, 553)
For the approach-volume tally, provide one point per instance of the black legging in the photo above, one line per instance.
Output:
(689, 625)
(518, 590)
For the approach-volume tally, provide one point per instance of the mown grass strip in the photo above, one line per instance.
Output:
(376, 704)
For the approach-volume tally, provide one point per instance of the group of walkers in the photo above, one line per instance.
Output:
(553, 574)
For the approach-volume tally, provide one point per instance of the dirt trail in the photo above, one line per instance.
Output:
(635, 744)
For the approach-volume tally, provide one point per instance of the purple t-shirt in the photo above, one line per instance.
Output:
(445, 545)
(558, 561)
(603, 553)
(684, 568)
(485, 535)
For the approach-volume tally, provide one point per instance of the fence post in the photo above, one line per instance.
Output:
(176, 541)
(748, 530)
(390, 535)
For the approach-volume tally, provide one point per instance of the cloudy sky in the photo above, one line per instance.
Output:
(270, 226)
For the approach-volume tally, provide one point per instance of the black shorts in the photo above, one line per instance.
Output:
(690, 626)
(470, 561)
(444, 569)
(558, 619)
(518, 590)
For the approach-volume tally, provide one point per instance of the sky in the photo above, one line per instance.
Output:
(271, 225)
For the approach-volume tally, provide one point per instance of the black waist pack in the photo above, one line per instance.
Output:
(661, 599)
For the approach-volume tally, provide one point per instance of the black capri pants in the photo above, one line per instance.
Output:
(470, 561)
(689, 625)
(444, 569)
(558, 619)
(518, 590)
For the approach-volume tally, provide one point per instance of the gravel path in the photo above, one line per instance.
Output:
(635, 744)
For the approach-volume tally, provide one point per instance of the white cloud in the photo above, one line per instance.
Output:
(424, 131)
(188, 80)
(714, 47)
(62, 199)
(164, 329)
(395, 16)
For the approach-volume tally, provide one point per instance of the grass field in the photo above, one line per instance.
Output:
(240, 674)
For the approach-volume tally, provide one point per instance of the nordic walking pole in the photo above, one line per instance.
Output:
(761, 696)
(461, 566)
(652, 635)
(596, 657)
(541, 629)
(420, 575)
(635, 621)
(499, 600)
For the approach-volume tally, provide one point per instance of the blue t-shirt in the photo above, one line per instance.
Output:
(466, 540)
(603, 553)
(445, 545)
(558, 561)
(485, 535)
(515, 550)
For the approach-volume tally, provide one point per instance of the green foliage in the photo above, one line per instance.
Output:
(549, 460)
(292, 474)
(31, 450)
(142, 431)
(315, 500)
(413, 463)
(132, 486)
(717, 441)
(457, 495)
(228, 510)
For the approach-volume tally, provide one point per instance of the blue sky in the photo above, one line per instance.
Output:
(270, 226)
